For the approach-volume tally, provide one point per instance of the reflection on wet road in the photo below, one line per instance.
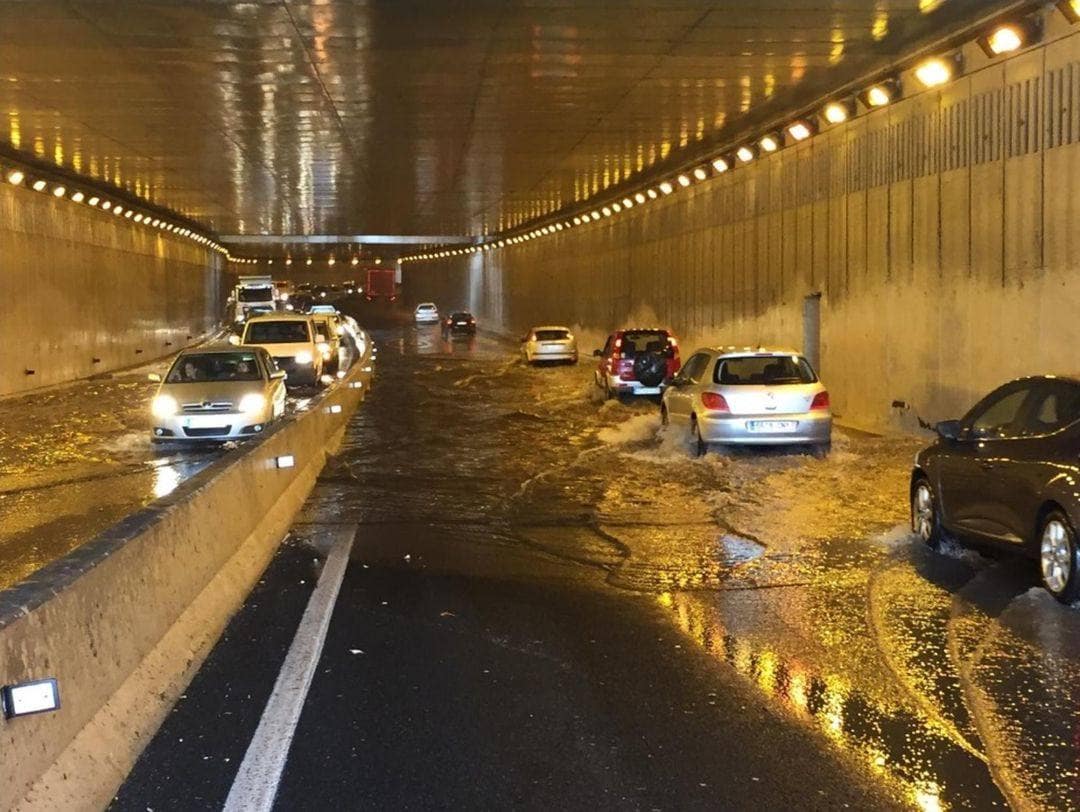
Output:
(948, 680)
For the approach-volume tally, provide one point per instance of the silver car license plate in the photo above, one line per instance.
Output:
(771, 426)
(206, 422)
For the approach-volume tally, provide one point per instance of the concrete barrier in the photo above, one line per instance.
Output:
(124, 621)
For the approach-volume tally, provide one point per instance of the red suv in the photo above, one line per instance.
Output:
(637, 362)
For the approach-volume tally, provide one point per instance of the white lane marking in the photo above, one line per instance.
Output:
(256, 782)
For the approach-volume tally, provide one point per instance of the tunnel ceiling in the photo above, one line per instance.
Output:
(397, 117)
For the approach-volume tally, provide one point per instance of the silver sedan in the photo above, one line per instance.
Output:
(749, 397)
(550, 343)
(218, 393)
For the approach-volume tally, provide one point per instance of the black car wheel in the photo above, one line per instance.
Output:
(925, 519)
(1058, 558)
(664, 419)
(700, 446)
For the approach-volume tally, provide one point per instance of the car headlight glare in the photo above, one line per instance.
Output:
(164, 406)
(303, 357)
(323, 347)
(252, 402)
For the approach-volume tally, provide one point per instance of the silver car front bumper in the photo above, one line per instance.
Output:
(202, 427)
(809, 428)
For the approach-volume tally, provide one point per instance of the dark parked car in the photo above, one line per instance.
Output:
(460, 323)
(1008, 475)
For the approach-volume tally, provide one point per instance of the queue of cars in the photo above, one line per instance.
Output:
(234, 390)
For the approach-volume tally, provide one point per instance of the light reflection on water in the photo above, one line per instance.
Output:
(917, 757)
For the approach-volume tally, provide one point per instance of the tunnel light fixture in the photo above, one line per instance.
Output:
(39, 185)
(106, 205)
(616, 207)
(15, 177)
(606, 211)
(1070, 9)
(701, 173)
(802, 129)
(683, 180)
(288, 261)
(771, 142)
(59, 191)
(745, 154)
(936, 71)
(880, 94)
(595, 215)
(307, 261)
(720, 165)
(78, 197)
(1010, 37)
(839, 111)
(128, 213)
(138, 218)
(118, 210)
(354, 261)
(93, 201)
(628, 203)
(640, 197)
(331, 261)
(666, 187)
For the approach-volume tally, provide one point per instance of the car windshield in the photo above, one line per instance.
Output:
(552, 335)
(763, 370)
(256, 294)
(216, 366)
(277, 332)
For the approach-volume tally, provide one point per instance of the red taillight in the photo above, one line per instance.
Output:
(714, 402)
(821, 401)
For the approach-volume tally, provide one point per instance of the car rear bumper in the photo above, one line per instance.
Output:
(617, 384)
(432, 319)
(554, 355)
(811, 428)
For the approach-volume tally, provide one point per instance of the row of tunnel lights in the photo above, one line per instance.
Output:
(933, 72)
(331, 261)
(19, 177)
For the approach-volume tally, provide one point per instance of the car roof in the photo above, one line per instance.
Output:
(733, 351)
(426, 304)
(551, 327)
(279, 317)
(219, 347)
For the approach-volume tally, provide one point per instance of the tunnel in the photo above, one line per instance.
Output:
(539, 403)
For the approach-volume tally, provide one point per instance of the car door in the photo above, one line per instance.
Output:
(970, 478)
(1040, 455)
(688, 384)
(605, 357)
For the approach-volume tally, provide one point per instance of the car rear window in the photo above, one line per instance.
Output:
(552, 335)
(256, 294)
(763, 370)
(277, 332)
(461, 316)
(217, 366)
(636, 341)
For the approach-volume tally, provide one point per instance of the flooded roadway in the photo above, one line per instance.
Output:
(75, 459)
(636, 627)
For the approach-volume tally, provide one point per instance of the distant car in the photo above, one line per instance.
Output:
(549, 343)
(728, 396)
(217, 393)
(328, 340)
(1005, 475)
(460, 323)
(636, 362)
(426, 313)
(292, 342)
(351, 288)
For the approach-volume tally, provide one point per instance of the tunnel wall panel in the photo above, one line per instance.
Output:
(940, 233)
(80, 284)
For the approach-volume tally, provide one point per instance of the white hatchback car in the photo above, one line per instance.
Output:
(549, 343)
(426, 313)
(725, 395)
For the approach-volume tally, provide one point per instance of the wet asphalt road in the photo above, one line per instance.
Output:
(551, 603)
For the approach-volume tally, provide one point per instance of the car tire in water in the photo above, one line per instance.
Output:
(821, 450)
(700, 446)
(1058, 564)
(664, 419)
(925, 519)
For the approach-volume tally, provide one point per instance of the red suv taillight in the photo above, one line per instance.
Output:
(714, 402)
(821, 401)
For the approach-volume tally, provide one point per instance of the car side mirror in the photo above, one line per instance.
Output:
(948, 429)
(154, 377)
(278, 375)
(598, 353)
(234, 339)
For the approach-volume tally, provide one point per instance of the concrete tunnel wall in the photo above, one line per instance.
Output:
(940, 232)
(77, 283)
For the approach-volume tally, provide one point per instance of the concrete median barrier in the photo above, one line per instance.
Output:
(124, 621)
